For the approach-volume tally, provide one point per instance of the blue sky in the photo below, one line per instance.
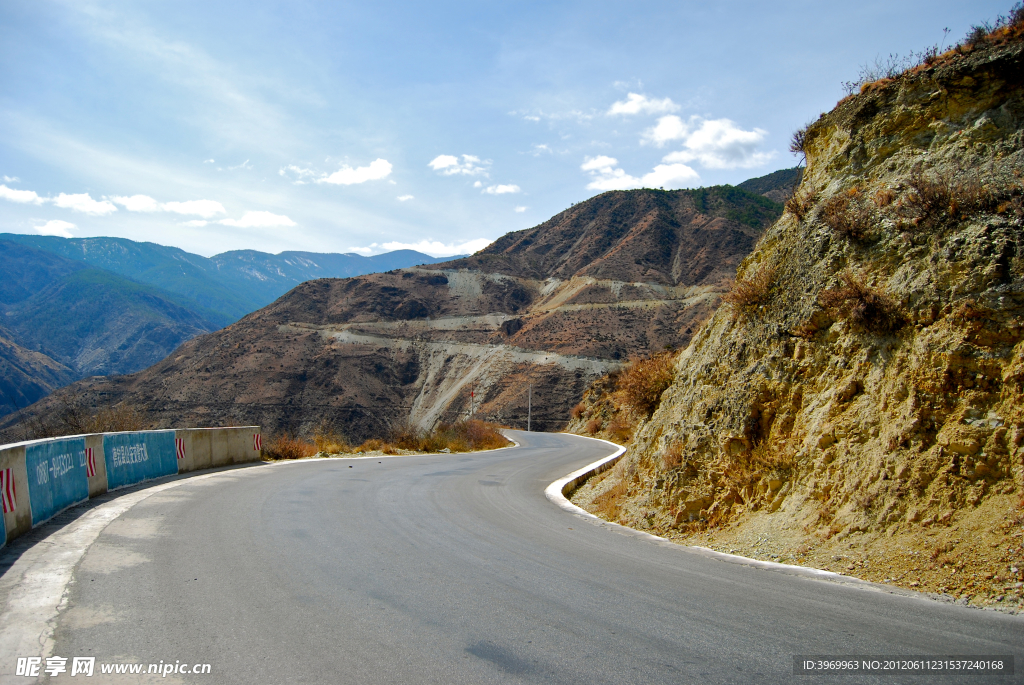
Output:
(341, 127)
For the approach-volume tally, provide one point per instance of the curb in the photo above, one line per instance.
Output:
(559, 491)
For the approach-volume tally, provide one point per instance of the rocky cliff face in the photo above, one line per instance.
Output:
(553, 307)
(862, 395)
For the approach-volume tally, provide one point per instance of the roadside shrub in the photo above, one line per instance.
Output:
(862, 305)
(466, 436)
(593, 425)
(644, 380)
(884, 197)
(847, 215)
(577, 411)
(798, 143)
(753, 290)
(285, 446)
(800, 204)
(934, 196)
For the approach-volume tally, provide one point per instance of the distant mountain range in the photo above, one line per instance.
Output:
(230, 284)
(71, 308)
(531, 320)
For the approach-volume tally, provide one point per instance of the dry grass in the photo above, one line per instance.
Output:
(577, 411)
(620, 430)
(376, 445)
(771, 456)
(672, 458)
(862, 305)
(1001, 31)
(609, 502)
(330, 442)
(642, 383)
(461, 436)
(753, 290)
(286, 447)
(593, 426)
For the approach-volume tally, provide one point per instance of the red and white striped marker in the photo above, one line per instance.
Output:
(257, 442)
(7, 490)
(179, 447)
(90, 463)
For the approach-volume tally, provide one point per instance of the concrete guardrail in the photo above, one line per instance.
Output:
(41, 478)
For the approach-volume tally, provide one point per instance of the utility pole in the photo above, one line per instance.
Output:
(529, 408)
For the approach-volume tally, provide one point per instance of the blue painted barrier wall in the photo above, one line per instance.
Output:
(134, 457)
(51, 474)
(56, 476)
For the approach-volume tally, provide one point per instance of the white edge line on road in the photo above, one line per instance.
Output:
(556, 493)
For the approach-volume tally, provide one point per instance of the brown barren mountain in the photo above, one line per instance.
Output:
(552, 307)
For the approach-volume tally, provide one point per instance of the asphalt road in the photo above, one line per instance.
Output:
(456, 569)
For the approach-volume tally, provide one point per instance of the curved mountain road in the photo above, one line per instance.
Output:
(456, 569)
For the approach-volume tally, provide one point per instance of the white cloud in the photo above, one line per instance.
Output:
(195, 222)
(366, 251)
(22, 196)
(449, 165)
(520, 209)
(203, 208)
(243, 165)
(11, 179)
(299, 173)
(715, 143)
(541, 148)
(144, 203)
(669, 176)
(478, 184)
(138, 203)
(601, 163)
(607, 175)
(405, 198)
(258, 220)
(434, 248)
(208, 161)
(641, 104)
(82, 202)
(666, 130)
(56, 227)
(346, 175)
(501, 189)
(539, 115)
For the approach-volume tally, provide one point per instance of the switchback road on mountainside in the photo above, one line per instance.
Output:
(456, 569)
